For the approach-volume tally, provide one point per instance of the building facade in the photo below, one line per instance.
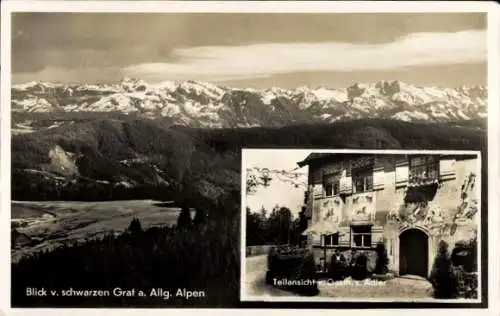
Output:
(409, 202)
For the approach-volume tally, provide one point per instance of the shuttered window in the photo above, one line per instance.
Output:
(361, 236)
(331, 240)
(331, 184)
(424, 170)
(362, 180)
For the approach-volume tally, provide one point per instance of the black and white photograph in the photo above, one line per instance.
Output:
(190, 154)
(394, 225)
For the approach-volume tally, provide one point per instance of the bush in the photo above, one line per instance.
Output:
(465, 254)
(464, 258)
(337, 269)
(443, 278)
(294, 265)
(467, 283)
(359, 271)
(382, 259)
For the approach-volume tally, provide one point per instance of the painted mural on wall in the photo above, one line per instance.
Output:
(416, 214)
(363, 208)
(428, 214)
(469, 205)
(331, 210)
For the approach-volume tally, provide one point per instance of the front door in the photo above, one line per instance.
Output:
(413, 253)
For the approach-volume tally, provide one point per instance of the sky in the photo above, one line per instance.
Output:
(251, 49)
(278, 192)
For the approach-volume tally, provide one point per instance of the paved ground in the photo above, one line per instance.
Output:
(255, 279)
(405, 288)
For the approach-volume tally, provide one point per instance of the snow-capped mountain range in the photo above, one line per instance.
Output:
(200, 104)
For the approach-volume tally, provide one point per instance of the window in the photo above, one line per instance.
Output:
(362, 180)
(424, 170)
(361, 236)
(331, 184)
(331, 240)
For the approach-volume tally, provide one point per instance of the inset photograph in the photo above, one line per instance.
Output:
(358, 225)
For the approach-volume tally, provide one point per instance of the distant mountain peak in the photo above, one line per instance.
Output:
(202, 104)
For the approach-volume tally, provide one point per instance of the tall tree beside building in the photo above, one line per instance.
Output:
(184, 219)
(443, 278)
(382, 259)
(302, 220)
(254, 232)
(281, 225)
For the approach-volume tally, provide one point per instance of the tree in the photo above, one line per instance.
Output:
(295, 235)
(200, 217)
(254, 229)
(253, 182)
(443, 278)
(465, 254)
(302, 219)
(382, 259)
(184, 219)
(280, 225)
(263, 214)
(135, 226)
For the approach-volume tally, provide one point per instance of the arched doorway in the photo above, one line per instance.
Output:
(413, 252)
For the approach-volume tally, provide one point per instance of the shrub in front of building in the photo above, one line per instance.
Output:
(337, 268)
(443, 277)
(382, 261)
(467, 283)
(465, 254)
(359, 269)
(293, 269)
(464, 258)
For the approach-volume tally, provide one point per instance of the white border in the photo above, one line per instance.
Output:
(314, 299)
(248, 7)
(9, 6)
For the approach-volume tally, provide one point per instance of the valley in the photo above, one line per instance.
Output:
(39, 226)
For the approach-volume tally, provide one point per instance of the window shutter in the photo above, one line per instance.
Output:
(447, 169)
(313, 240)
(378, 178)
(402, 173)
(346, 184)
(317, 191)
(345, 236)
(377, 234)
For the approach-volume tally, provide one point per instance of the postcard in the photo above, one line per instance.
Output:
(249, 155)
